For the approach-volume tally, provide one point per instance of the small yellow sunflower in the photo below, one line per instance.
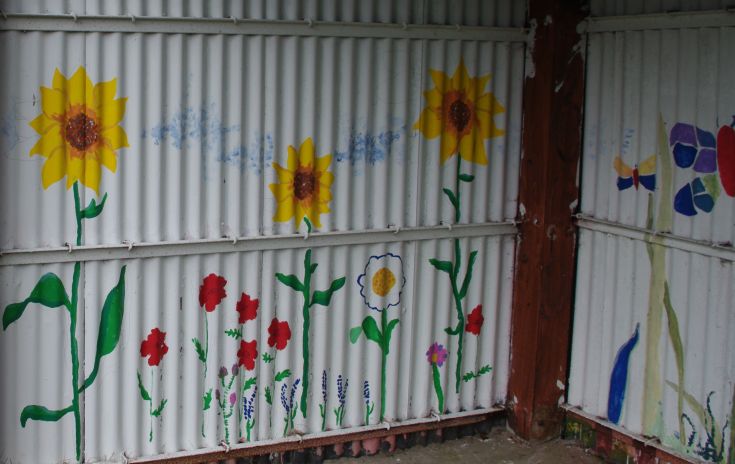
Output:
(303, 185)
(79, 129)
(461, 114)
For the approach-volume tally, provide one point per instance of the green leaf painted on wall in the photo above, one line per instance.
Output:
(323, 297)
(284, 374)
(93, 209)
(444, 266)
(143, 392)
(157, 412)
(355, 334)
(290, 281)
(111, 319)
(42, 413)
(207, 400)
(49, 292)
(370, 327)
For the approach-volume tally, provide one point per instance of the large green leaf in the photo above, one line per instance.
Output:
(323, 297)
(93, 209)
(468, 275)
(49, 292)
(42, 413)
(290, 281)
(372, 332)
(444, 266)
(452, 197)
(111, 319)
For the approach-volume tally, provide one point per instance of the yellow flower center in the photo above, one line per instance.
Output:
(81, 130)
(304, 183)
(383, 281)
(435, 358)
(458, 112)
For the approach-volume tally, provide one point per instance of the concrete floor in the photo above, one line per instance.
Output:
(500, 447)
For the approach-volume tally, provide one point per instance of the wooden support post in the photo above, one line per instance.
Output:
(553, 98)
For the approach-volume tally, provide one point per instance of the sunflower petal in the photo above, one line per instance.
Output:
(74, 170)
(461, 78)
(472, 149)
(476, 86)
(306, 153)
(448, 146)
(49, 142)
(53, 102)
(91, 174)
(292, 162)
(284, 211)
(43, 123)
(108, 158)
(488, 102)
(80, 89)
(326, 179)
(115, 137)
(322, 164)
(59, 81)
(284, 175)
(434, 97)
(429, 123)
(324, 195)
(54, 169)
(104, 92)
(112, 112)
(282, 192)
(440, 80)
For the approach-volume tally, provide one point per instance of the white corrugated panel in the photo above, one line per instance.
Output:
(637, 7)
(207, 118)
(496, 13)
(674, 377)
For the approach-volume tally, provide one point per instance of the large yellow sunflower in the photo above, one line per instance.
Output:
(461, 114)
(303, 185)
(79, 129)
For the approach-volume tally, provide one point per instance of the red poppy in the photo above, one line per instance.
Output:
(212, 291)
(247, 308)
(279, 333)
(154, 346)
(247, 354)
(475, 320)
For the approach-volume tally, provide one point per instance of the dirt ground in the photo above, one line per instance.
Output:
(500, 447)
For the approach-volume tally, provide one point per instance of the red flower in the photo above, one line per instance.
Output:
(279, 333)
(154, 346)
(247, 308)
(475, 320)
(247, 354)
(212, 291)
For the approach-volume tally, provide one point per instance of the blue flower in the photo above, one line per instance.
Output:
(342, 390)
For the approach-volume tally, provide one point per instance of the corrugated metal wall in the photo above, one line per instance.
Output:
(207, 118)
(652, 345)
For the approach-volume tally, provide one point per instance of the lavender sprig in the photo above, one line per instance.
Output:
(339, 411)
(249, 411)
(287, 401)
(369, 406)
(323, 406)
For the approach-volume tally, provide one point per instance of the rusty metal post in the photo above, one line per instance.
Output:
(553, 98)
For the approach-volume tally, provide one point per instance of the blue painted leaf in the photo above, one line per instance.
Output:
(619, 378)
(683, 201)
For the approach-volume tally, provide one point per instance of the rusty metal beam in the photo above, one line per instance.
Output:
(553, 96)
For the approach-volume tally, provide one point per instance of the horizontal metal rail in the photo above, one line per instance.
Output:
(672, 20)
(239, 26)
(240, 244)
(669, 240)
(300, 442)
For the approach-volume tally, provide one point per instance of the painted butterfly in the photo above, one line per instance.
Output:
(643, 174)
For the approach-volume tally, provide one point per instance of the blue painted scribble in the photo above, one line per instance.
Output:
(9, 137)
(368, 148)
(254, 157)
(619, 378)
(190, 125)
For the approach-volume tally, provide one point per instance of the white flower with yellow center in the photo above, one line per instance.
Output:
(382, 282)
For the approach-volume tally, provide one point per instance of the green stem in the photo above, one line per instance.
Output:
(305, 335)
(731, 453)
(206, 356)
(73, 329)
(150, 410)
(438, 387)
(455, 290)
(383, 361)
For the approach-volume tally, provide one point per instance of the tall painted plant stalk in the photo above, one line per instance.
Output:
(452, 268)
(50, 292)
(318, 297)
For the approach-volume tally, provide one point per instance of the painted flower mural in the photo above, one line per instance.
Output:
(212, 292)
(460, 114)
(279, 333)
(474, 321)
(80, 129)
(247, 308)
(436, 355)
(303, 187)
(154, 348)
(380, 286)
(247, 354)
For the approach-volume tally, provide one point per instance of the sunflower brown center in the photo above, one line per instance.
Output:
(81, 131)
(459, 115)
(304, 184)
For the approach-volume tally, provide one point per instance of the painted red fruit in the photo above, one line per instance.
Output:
(726, 158)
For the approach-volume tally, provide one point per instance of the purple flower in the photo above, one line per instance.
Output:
(222, 372)
(217, 394)
(288, 404)
(235, 369)
(249, 405)
(342, 390)
(437, 354)
(366, 392)
(233, 398)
